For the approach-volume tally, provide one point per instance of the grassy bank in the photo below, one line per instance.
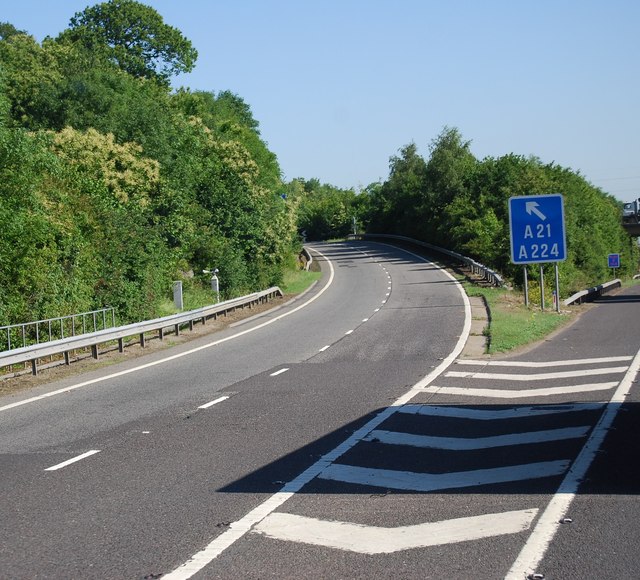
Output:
(513, 324)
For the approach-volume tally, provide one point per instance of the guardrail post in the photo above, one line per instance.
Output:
(34, 367)
(120, 345)
(142, 343)
(94, 351)
(66, 358)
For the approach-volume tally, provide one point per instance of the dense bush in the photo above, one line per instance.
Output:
(112, 185)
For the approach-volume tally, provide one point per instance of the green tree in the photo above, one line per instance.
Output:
(133, 36)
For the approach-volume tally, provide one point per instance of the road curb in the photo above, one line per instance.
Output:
(476, 345)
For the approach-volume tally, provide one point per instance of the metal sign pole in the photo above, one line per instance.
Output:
(557, 289)
(541, 287)
(526, 288)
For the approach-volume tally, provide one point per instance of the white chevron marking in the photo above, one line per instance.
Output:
(376, 540)
(519, 394)
(497, 414)
(466, 444)
(536, 376)
(545, 364)
(412, 481)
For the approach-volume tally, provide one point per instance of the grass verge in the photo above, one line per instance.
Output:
(513, 325)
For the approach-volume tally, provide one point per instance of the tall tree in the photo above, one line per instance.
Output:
(133, 36)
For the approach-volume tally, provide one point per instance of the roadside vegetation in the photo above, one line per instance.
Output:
(113, 185)
(512, 324)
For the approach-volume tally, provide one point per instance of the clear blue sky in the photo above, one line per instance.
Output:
(338, 86)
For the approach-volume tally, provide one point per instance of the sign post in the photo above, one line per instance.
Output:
(537, 232)
(614, 262)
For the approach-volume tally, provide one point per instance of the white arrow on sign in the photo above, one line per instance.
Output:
(376, 540)
(532, 207)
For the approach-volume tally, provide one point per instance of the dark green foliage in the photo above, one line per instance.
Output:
(457, 202)
(325, 211)
(111, 187)
(134, 37)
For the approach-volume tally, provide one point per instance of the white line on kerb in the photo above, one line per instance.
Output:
(534, 550)
(239, 528)
(179, 355)
(73, 460)
(212, 403)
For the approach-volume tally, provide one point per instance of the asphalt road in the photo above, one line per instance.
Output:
(128, 471)
(339, 437)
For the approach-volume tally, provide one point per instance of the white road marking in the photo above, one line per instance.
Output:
(239, 528)
(536, 376)
(348, 332)
(325, 347)
(467, 444)
(377, 540)
(182, 354)
(411, 481)
(522, 393)
(377, 310)
(551, 363)
(537, 544)
(365, 320)
(212, 403)
(73, 460)
(284, 370)
(493, 414)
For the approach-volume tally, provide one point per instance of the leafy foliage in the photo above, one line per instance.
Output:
(112, 186)
(134, 37)
(458, 202)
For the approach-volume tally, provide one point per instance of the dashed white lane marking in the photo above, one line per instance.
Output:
(425, 482)
(522, 393)
(284, 370)
(325, 347)
(72, 460)
(348, 332)
(466, 444)
(497, 414)
(376, 540)
(212, 403)
(365, 320)
(537, 544)
(536, 376)
(182, 354)
(551, 363)
(242, 526)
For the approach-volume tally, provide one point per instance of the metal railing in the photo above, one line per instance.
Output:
(20, 335)
(479, 269)
(592, 293)
(84, 341)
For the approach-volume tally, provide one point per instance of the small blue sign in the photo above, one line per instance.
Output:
(614, 260)
(536, 224)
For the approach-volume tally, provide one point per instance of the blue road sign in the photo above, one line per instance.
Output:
(614, 260)
(536, 224)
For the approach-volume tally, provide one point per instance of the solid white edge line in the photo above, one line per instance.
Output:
(239, 528)
(325, 347)
(72, 460)
(179, 355)
(212, 403)
(284, 370)
(534, 550)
